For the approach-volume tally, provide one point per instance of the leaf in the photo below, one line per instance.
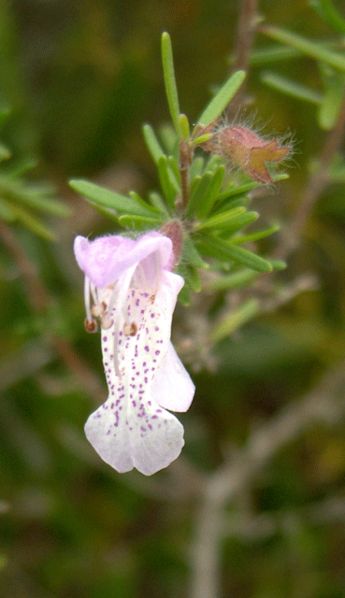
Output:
(211, 193)
(327, 11)
(261, 234)
(6, 213)
(152, 143)
(232, 281)
(184, 124)
(196, 167)
(198, 192)
(307, 47)
(229, 221)
(272, 54)
(168, 183)
(170, 82)
(291, 88)
(221, 99)
(333, 98)
(138, 222)
(190, 254)
(158, 203)
(5, 153)
(184, 296)
(225, 251)
(34, 196)
(236, 320)
(191, 277)
(234, 191)
(134, 195)
(227, 216)
(110, 199)
(33, 223)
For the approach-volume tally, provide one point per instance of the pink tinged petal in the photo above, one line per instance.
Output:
(173, 387)
(106, 258)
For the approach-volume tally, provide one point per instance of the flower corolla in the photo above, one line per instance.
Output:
(129, 286)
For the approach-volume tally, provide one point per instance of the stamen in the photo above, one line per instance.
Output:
(90, 325)
(87, 298)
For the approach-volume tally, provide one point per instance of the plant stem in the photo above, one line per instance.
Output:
(185, 160)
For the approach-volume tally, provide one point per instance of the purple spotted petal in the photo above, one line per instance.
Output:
(131, 429)
(134, 434)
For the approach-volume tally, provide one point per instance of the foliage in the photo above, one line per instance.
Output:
(254, 507)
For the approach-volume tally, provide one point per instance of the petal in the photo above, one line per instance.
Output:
(173, 387)
(148, 438)
(106, 258)
(131, 429)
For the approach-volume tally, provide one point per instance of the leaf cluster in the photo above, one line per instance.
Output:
(329, 56)
(20, 200)
(212, 208)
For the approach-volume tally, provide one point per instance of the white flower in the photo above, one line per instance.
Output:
(134, 294)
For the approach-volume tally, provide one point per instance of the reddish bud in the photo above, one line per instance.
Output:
(246, 150)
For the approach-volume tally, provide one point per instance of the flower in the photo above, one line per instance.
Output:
(134, 295)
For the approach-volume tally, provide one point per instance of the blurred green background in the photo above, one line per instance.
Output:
(79, 78)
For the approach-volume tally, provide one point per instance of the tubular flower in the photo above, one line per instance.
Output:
(130, 288)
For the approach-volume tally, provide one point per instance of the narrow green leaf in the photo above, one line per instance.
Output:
(196, 167)
(175, 169)
(191, 255)
(233, 191)
(109, 199)
(211, 194)
(152, 143)
(332, 101)
(33, 223)
(4, 114)
(234, 280)
(184, 124)
(158, 203)
(134, 195)
(236, 320)
(310, 48)
(198, 192)
(291, 88)
(33, 196)
(222, 98)
(272, 54)
(278, 264)
(168, 183)
(184, 296)
(5, 153)
(170, 82)
(230, 221)
(138, 222)
(16, 171)
(6, 213)
(236, 224)
(202, 139)
(327, 11)
(261, 234)
(225, 251)
(191, 277)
